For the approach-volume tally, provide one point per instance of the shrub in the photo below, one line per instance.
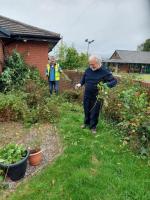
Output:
(12, 107)
(36, 93)
(48, 111)
(71, 95)
(70, 58)
(127, 104)
(15, 72)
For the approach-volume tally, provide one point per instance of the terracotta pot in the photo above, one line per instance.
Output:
(35, 157)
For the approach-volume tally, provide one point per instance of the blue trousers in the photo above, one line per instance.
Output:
(92, 108)
(54, 86)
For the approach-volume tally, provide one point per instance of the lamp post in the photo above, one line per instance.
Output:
(89, 42)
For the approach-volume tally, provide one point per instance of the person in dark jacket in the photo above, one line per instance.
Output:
(93, 75)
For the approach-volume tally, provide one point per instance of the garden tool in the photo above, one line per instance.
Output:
(66, 77)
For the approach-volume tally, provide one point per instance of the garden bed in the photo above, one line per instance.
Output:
(15, 132)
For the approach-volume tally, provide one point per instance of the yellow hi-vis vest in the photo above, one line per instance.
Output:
(57, 71)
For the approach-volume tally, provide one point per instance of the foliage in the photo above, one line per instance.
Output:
(12, 106)
(49, 111)
(25, 93)
(70, 58)
(12, 153)
(89, 166)
(61, 54)
(83, 60)
(36, 92)
(17, 72)
(128, 105)
(145, 46)
(71, 95)
(28, 107)
(103, 91)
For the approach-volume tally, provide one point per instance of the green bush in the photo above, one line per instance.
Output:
(17, 106)
(16, 73)
(128, 105)
(36, 93)
(48, 111)
(25, 95)
(12, 107)
(72, 95)
(70, 58)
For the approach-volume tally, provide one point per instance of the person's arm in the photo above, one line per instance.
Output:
(110, 80)
(46, 72)
(82, 82)
(60, 69)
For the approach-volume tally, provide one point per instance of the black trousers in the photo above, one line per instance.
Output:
(92, 108)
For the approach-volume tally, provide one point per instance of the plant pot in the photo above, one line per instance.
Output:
(35, 157)
(17, 170)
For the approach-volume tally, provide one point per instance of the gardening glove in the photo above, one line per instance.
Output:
(77, 86)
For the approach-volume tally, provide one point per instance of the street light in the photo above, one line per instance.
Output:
(89, 42)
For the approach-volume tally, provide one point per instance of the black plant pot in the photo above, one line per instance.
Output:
(17, 170)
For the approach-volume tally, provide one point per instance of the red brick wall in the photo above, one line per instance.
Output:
(1, 56)
(36, 53)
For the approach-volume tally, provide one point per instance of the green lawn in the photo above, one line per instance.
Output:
(91, 167)
(142, 77)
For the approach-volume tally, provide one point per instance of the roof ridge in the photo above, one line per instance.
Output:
(133, 51)
(28, 26)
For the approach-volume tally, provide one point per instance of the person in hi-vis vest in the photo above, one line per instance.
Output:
(53, 71)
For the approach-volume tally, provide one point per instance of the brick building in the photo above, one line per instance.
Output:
(34, 43)
(129, 61)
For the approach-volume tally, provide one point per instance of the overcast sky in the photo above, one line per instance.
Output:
(113, 24)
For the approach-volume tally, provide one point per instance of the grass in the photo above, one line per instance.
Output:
(142, 77)
(91, 167)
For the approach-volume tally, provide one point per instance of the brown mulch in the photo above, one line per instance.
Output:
(12, 132)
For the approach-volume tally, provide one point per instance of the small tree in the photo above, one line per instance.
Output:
(144, 46)
(83, 60)
(61, 53)
(72, 58)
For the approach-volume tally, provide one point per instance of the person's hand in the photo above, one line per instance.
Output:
(77, 86)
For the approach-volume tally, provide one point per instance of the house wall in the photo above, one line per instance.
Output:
(114, 67)
(1, 56)
(35, 53)
(124, 68)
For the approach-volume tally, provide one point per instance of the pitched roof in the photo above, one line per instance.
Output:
(22, 30)
(125, 56)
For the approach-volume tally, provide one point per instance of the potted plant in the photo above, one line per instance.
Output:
(13, 160)
(35, 156)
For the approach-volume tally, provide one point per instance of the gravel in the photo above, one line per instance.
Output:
(50, 145)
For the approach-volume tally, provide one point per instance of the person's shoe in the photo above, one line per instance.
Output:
(93, 130)
(84, 126)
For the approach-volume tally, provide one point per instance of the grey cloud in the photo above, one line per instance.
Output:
(113, 24)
